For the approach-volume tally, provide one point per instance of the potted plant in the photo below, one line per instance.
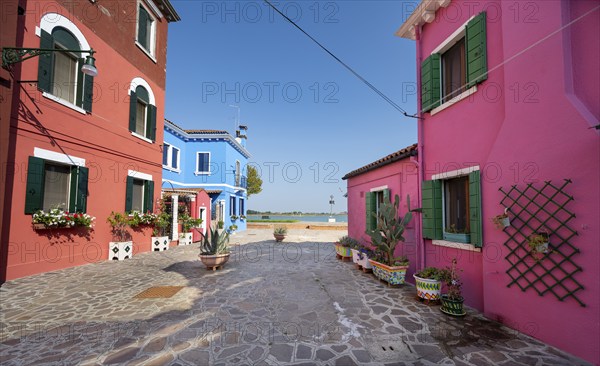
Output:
(160, 241)
(214, 250)
(57, 218)
(342, 248)
(243, 217)
(233, 217)
(502, 221)
(121, 248)
(362, 259)
(221, 224)
(451, 233)
(187, 224)
(279, 232)
(390, 228)
(538, 244)
(452, 300)
(428, 283)
(232, 229)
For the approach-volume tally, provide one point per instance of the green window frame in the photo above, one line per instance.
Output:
(147, 197)
(475, 64)
(372, 201)
(137, 97)
(78, 186)
(47, 63)
(433, 206)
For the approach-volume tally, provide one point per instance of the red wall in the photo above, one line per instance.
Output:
(401, 179)
(101, 138)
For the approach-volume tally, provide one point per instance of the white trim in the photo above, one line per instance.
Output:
(378, 189)
(64, 102)
(459, 33)
(196, 171)
(455, 173)
(451, 244)
(146, 52)
(138, 81)
(467, 93)
(155, 9)
(169, 165)
(50, 21)
(202, 185)
(141, 137)
(138, 175)
(58, 157)
(152, 44)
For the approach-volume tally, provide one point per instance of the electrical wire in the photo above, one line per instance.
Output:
(365, 81)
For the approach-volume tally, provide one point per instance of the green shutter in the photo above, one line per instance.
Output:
(371, 220)
(80, 75)
(142, 24)
(73, 189)
(129, 194)
(148, 196)
(430, 82)
(476, 49)
(45, 62)
(82, 190)
(34, 192)
(386, 195)
(132, 110)
(475, 208)
(88, 93)
(151, 125)
(432, 209)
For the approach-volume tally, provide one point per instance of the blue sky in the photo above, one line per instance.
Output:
(310, 120)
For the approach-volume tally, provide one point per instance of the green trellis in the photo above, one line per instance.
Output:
(542, 209)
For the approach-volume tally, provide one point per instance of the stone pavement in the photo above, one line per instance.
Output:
(272, 304)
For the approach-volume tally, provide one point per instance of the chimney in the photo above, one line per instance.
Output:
(240, 135)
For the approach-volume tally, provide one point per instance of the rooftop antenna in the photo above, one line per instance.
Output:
(237, 119)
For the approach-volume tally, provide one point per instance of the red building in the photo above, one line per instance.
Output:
(74, 141)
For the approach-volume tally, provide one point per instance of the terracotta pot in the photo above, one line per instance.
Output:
(214, 261)
(278, 237)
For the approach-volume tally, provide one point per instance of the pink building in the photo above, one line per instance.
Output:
(395, 174)
(509, 98)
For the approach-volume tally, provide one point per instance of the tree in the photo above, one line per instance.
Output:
(254, 181)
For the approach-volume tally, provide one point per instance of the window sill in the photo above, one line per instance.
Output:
(146, 51)
(64, 102)
(142, 137)
(450, 244)
(467, 93)
(171, 169)
(201, 173)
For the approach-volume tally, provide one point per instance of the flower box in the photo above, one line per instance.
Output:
(160, 243)
(185, 239)
(393, 275)
(120, 250)
(342, 251)
(457, 237)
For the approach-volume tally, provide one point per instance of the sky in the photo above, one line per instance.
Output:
(310, 121)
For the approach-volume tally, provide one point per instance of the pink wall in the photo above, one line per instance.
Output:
(528, 123)
(401, 179)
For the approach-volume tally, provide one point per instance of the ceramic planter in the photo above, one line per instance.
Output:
(160, 243)
(214, 261)
(393, 275)
(342, 252)
(452, 307)
(428, 289)
(355, 256)
(120, 250)
(505, 222)
(279, 237)
(185, 239)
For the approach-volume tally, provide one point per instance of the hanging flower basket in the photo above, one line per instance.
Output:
(502, 221)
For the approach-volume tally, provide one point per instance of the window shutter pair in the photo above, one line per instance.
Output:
(85, 83)
(151, 123)
(371, 208)
(34, 195)
(432, 210)
(148, 195)
(476, 64)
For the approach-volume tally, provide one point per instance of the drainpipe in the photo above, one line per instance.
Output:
(420, 156)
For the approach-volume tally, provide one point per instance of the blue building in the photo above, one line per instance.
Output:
(212, 160)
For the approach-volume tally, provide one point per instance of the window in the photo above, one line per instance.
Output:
(139, 195)
(146, 30)
(59, 73)
(55, 185)
(171, 157)
(457, 65)
(202, 162)
(452, 207)
(242, 208)
(142, 114)
(373, 201)
(232, 208)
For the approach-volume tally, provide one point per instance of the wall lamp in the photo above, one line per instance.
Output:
(12, 55)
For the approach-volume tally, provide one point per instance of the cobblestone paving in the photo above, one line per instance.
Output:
(272, 304)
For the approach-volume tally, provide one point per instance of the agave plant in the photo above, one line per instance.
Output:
(215, 243)
(390, 228)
